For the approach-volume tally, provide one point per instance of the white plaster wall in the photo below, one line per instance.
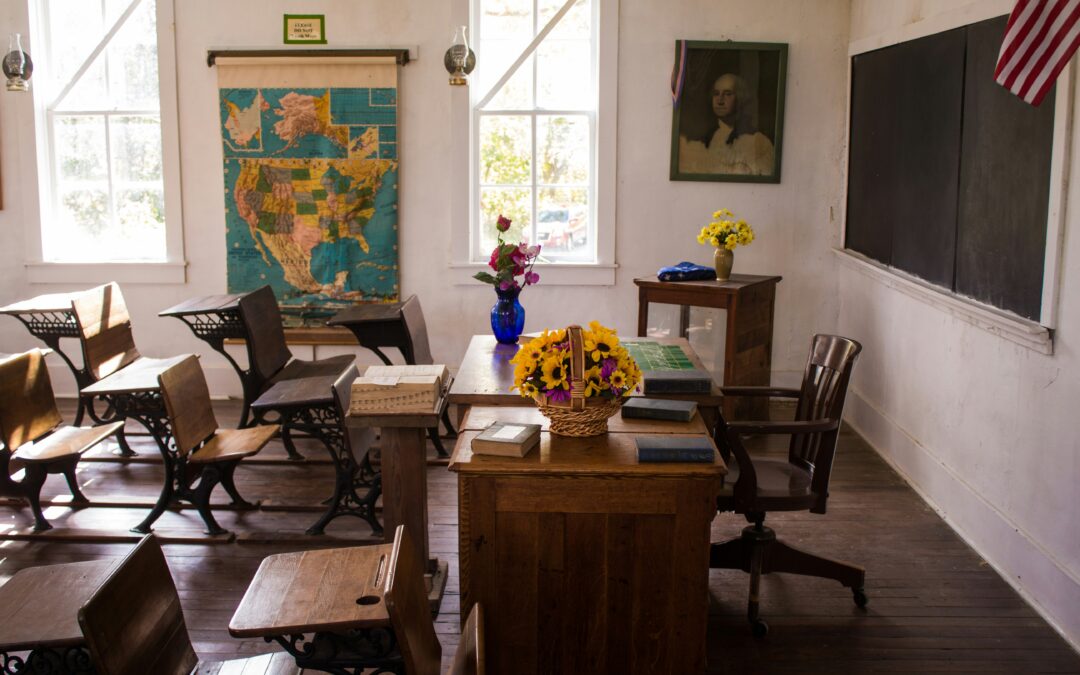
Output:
(983, 428)
(657, 219)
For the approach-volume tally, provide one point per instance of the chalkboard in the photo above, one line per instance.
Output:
(948, 174)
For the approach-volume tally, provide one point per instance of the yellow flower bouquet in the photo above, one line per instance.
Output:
(725, 232)
(577, 377)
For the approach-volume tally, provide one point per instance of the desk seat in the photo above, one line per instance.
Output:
(328, 367)
(776, 478)
(233, 444)
(264, 664)
(64, 442)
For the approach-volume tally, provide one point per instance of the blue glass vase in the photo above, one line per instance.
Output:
(507, 316)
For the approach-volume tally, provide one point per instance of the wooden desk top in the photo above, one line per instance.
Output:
(736, 283)
(331, 590)
(39, 606)
(140, 376)
(50, 302)
(369, 312)
(613, 454)
(303, 392)
(205, 304)
(486, 374)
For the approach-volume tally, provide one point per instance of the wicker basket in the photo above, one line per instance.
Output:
(579, 416)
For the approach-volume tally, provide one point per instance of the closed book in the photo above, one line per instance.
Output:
(693, 381)
(668, 448)
(507, 440)
(659, 409)
(439, 371)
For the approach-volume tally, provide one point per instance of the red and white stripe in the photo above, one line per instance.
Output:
(1041, 37)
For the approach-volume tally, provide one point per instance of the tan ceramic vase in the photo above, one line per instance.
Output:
(723, 259)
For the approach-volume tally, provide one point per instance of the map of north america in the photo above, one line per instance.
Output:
(311, 195)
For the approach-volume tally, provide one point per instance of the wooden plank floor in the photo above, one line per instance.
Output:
(934, 604)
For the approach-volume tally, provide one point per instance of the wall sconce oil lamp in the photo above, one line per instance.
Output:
(459, 59)
(17, 65)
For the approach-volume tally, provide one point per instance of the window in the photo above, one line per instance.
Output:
(539, 154)
(101, 95)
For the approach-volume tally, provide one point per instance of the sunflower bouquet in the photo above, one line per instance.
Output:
(544, 372)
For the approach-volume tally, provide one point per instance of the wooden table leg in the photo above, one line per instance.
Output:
(404, 487)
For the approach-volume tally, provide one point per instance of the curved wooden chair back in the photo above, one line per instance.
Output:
(133, 624)
(418, 350)
(265, 339)
(823, 392)
(469, 657)
(27, 407)
(187, 402)
(409, 610)
(105, 330)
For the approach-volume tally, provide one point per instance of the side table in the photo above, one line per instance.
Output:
(750, 302)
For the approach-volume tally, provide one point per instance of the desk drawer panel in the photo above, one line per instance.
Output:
(585, 495)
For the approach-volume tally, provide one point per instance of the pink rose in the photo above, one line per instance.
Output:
(503, 223)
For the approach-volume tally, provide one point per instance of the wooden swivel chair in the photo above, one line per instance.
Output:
(133, 624)
(399, 325)
(757, 486)
(34, 435)
(269, 359)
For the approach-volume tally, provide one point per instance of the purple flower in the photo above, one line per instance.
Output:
(507, 284)
(558, 395)
(609, 367)
(531, 278)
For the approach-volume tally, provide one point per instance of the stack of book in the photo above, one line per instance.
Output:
(398, 389)
(689, 381)
(507, 440)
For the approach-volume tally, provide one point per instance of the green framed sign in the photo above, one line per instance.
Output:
(305, 29)
(727, 119)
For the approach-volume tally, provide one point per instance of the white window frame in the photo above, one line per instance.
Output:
(466, 258)
(172, 270)
(1035, 335)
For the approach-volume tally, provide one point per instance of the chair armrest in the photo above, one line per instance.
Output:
(779, 392)
(798, 427)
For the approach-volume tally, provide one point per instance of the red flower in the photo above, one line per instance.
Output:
(503, 223)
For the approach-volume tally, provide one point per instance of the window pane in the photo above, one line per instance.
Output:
(576, 24)
(563, 150)
(506, 18)
(132, 54)
(80, 148)
(90, 92)
(517, 93)
(505, 154)
(562, 221)
(515, 204)
(74, 28)
(564, 75)
(136, 149)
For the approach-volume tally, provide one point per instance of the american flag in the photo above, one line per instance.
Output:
(1039, 40)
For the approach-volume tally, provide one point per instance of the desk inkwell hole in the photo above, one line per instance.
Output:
(368, 600)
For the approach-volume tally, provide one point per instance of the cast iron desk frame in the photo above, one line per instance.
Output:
(750, 301)
(49, 318)
(308, 405)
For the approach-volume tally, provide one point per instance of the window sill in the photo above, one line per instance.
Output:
(1004, 324)
(100, 273)
(552, 274)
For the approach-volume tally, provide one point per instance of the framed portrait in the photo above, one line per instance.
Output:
(727, 119)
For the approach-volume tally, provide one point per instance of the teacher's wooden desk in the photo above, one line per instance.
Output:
(749, 300)
(584, 560)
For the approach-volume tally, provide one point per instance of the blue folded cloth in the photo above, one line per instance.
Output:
(685, 271)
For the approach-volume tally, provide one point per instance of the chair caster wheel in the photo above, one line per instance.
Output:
(860, 597)
(759, 628)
